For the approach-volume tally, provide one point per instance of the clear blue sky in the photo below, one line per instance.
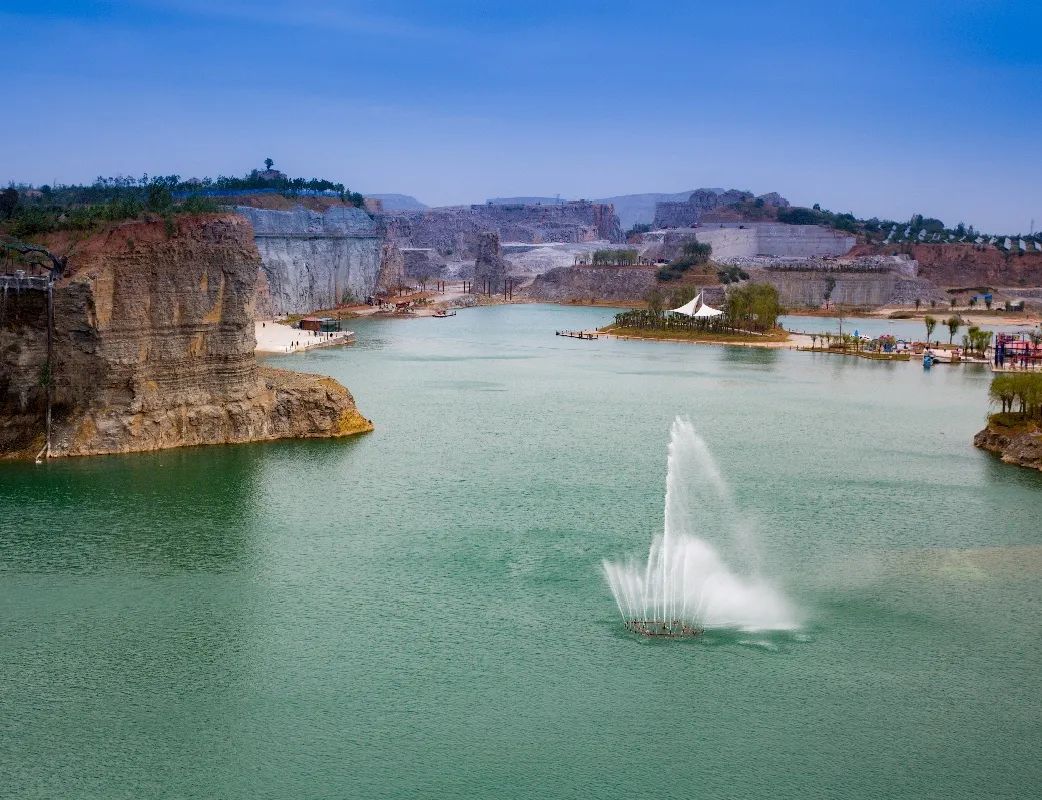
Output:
(880, 108)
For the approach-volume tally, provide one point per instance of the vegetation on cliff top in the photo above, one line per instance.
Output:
(695, 254)
(27, 211)
(1019, 394)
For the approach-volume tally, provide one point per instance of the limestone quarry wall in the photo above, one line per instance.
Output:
(778, 239)
(456, 231)
(746, 240)
(313, 259)
(583, 284)
(154, 348)
(806, 289)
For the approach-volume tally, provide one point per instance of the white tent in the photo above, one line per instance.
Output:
(703, 312)
(688, 309)
(707, 311)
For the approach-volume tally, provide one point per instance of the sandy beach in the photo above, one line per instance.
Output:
(274, 337)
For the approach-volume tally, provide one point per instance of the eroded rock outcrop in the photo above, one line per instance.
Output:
(154, 348)
(1019, 445)
(392, 267)
(316, 259)
(490, 268)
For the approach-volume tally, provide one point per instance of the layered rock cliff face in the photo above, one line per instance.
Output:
(1021, 446)
(154, 348)
(747, 240)
(966, 265)
(589, 284)
(315, 259)
(455, 232)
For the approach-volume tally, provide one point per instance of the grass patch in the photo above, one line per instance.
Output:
(1012, 423)
(696, 336)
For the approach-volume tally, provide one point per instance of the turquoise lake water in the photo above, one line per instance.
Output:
(420, 612)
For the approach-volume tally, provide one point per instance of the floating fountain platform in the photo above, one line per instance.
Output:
(670, 629)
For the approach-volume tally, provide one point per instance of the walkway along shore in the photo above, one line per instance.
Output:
(274, 337)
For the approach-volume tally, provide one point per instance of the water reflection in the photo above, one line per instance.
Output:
(171, 511)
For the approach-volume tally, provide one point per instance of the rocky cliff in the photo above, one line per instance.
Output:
(1021, 445)
(750, 239)
(967, 265)
(154, 348)
(691, 211)
(314, 259)
(455, 232)
(490, 268)
(591, 284)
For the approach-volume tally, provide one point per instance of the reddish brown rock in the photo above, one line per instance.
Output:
(154, 348)
(966, 265)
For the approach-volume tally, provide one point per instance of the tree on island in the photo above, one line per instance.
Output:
(654, 299)
(953, 322)
(754, 305)
(268, 163)
(930, 323)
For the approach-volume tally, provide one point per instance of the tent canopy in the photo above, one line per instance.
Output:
(703, 312)
(688, 309)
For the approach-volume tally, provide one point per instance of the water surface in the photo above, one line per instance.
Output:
(420, 612)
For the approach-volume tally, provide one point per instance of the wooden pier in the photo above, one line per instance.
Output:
(580, 334)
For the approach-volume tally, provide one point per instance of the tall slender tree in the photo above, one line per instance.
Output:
(930, 324)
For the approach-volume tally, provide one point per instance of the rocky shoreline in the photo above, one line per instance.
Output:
(1020, 445)
(153, 347)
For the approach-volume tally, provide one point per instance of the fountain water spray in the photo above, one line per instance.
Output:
(685, 585)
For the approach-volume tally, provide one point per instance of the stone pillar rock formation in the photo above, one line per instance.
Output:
(490, 266)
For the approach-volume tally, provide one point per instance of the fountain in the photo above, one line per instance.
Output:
(685, 586)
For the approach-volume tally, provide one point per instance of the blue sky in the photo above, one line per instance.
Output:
(882, 108)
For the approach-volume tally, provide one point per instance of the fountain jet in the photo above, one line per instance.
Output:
(685, 586)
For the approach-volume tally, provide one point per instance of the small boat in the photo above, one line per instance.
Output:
(927, 359)
(445, 312)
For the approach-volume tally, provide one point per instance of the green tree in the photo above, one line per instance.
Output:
(655, 299)
(8, 202)
(930, 323)
(953, 322)
(753, 305)
(159, 197)
(268, 163)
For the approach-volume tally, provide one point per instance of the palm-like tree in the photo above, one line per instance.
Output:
(953, 322)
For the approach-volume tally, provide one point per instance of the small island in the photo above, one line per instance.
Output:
(1015, 432)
